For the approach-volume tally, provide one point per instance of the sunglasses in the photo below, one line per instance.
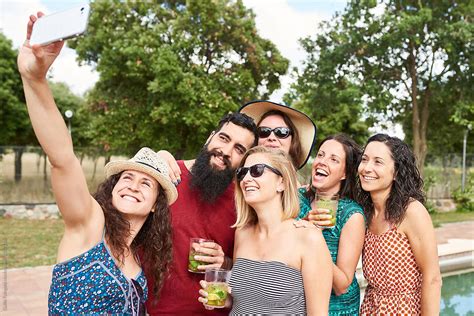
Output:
(280, 132)
(255, 171)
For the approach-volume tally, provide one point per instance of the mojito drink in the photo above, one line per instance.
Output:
(216, 294)
(328, 202)
(192, 262)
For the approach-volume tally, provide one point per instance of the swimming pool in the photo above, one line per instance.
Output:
(457, 295)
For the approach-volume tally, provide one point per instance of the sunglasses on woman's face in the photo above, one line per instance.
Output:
(280, 132)
(255, 171)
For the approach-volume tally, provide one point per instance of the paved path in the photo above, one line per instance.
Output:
(27, 288)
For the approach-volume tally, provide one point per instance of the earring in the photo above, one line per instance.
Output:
(279, 190)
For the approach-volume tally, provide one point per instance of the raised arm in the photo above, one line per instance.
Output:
(67, 178)
(419, 229)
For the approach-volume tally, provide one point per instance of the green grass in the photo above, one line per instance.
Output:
(451, 217)
(30, 243)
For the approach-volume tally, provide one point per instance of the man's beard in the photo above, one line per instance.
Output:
(210, 183)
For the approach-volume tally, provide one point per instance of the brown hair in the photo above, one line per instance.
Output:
(153, 241)
(295, 147)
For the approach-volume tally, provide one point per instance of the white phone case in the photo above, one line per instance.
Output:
(60, 25)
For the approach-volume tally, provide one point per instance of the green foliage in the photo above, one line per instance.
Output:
(170, 70)
(66, 100)
(403, 60)
(16, 127)
(325, 94)
(465, 200)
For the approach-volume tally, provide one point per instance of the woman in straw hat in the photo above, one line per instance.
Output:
(284, 128)
(98, 270)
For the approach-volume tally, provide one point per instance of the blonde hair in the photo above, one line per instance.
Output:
(290, 201)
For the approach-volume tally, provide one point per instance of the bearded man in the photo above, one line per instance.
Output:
(204, 209)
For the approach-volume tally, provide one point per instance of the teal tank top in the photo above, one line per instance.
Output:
(348, 303)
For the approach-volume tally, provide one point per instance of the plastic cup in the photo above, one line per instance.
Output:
(217, 286)
(328, 202)
(193, 263)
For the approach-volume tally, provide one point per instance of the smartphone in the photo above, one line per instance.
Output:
(60, 25)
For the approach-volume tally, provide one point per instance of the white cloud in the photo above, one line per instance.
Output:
(13, 19)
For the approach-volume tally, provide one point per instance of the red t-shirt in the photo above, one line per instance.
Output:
(191, 217)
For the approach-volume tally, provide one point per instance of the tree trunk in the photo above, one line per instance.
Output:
(45, 168)
(425, 114)
(18, 154)
(418, 140)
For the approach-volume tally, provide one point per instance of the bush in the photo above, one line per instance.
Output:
(465, 200)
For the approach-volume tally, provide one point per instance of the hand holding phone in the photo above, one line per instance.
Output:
(60, 26)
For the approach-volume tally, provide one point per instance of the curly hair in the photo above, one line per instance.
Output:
(407, 183)
(153, 241)
(295, 148)
(349, 186)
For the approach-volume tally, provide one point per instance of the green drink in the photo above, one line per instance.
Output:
(328, 202)
(216, 288)
(192, 262)
(216, 294)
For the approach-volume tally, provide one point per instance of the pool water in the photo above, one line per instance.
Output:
(457, 295)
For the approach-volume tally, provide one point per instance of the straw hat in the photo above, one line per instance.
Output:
(149, 162)
(305, 126)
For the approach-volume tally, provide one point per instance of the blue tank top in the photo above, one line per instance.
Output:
(92, 284)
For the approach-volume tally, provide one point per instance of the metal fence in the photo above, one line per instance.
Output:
(25, 174)
(443, 175)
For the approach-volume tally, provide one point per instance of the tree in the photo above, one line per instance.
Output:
(332, 101)
(170, 70)
(16, 127)
(66, 100)
(396, 52)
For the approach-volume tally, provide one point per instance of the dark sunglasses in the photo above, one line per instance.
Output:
(255, 171)
(280, 132)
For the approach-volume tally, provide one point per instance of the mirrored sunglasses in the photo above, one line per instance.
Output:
(280, 132)
(255, 171)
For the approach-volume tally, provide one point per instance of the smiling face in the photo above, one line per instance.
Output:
(377, 168)
(329, 167)
(228, 145)
(135, 193)
(264, 188)
(272, 141)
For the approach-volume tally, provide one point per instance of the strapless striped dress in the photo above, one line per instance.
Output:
(266, 288)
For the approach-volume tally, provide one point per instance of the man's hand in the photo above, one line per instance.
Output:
(212, 254)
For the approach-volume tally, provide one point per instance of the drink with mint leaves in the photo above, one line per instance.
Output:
(192, 262)
(216, 294)
(217, 286)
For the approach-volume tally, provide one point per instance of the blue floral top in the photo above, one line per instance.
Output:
(349, 302)
(93, 284)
